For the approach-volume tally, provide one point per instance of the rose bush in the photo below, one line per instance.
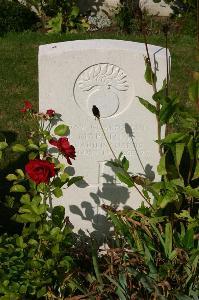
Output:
(39, 262)
(45, 174)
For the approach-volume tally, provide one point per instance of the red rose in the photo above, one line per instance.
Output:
(40, 170)
(27, 106)
(65, 148)
(50, 113)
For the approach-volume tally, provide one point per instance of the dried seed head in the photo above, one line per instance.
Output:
(96, 111)
(165, 28)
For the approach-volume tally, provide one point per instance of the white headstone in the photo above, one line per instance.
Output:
(74, 76)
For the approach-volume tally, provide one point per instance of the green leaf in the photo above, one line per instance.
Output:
(26, 218)
(41, 292)
(169, 197)
(57, 192)
(55, 249)
(41, 188)
(1, 153)
(3, 145)
(120, 290)
(194, 91)
(125, 179)
(179, 152)
(11, 177)
(64, 177)
(20, 243)
(74, 11)
(58, 214)
(66, 262)
(166, 112)
(173, 255)
(173, 138)
(192, 192)
(125, 163)
(61, 130)
(32, 155)
(189, 239)
(25, 199)
(37, 199)
(57, 182)
(196, 173)
(149, 76)
(55, 231)
(18, 148)
(190, 147)
(20, 173)
(148, 105)
(121, 227)
(162, 165)
(74, 180)
(43, 147)
(18, 188)
(33, 147)
(168, 239)
(160, 96)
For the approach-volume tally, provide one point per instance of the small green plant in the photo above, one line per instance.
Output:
(68, 18)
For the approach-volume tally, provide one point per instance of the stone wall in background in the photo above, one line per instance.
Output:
(161, 9)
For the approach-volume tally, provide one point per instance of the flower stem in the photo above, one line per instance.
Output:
(155, 91)
(106, 138)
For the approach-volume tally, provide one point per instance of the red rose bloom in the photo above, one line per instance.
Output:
(50, 113)
(40, 170)
(27, 106)
(65, 148)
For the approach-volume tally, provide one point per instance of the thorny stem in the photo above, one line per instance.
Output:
(138, 190)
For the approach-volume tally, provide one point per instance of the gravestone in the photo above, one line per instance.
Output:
(74, 76)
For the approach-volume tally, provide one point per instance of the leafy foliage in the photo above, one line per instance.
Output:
(37, 262)
(67, 17)
(154, 253)
(16, 17)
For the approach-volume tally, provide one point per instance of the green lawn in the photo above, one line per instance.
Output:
(18, 71)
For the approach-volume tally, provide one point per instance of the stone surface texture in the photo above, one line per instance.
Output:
(74, 76)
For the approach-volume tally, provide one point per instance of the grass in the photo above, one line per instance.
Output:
(19, 72)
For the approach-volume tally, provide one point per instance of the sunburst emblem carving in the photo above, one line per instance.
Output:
(103, 75)
(101, 85)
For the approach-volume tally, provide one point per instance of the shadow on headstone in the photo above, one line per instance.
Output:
(108, 193)
(147, 170)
